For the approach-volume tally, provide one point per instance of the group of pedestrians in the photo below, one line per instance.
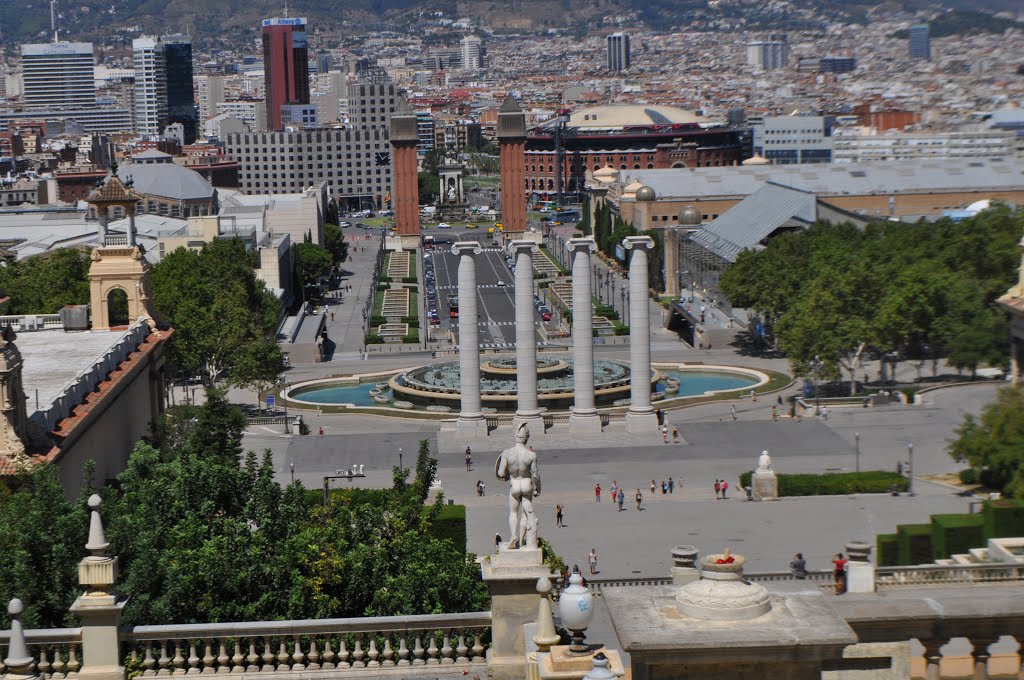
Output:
(721, 490)
(664, 433)
(798, 567)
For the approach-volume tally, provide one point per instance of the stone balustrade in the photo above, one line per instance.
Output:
(28, 322)
(56, 652)
(932, 574)
(74, 391)
(317, 644)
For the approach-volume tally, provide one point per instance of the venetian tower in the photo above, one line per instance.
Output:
(404, 177)
(512, 145)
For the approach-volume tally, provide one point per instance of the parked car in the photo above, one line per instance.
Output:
(546, 316)
(345, 224)
(443, 225)
(501, 283)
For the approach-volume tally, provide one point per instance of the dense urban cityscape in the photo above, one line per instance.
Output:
(281, 285)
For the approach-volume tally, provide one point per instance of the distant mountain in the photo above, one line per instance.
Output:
(234, 21)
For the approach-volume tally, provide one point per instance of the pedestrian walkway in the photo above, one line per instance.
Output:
(345, 324)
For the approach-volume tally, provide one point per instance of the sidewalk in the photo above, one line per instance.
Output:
(346, 328)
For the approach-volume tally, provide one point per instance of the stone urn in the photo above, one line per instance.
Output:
(684, 564)
(722, 594)
(858, 551)
(576, 609)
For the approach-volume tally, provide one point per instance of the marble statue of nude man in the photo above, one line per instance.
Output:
(518, 466)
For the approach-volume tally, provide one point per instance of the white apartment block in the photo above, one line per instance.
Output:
(370, 105)
(857, 148)
(210, 92)
(150, 85)
(291, 162)
(58, 75)
(252, 112)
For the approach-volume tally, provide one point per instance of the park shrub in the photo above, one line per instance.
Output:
(382, 286)
(915, 543)
(836, 483)
(888, 550)
(374, 339)
(377, 320)
(968, 476)
(409, 279)
(1003, 518)
(621, 330)
(954, 534)
(451, 524)
(411, 339)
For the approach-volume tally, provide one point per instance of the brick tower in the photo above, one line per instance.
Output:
(404, 178)
(512, 142)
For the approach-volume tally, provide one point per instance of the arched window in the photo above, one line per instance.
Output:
(117, 307)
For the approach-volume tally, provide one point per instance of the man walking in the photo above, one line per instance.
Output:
(621, 499)
(469, 460)
(639, 500)
(675, 434)
(671, 486)
(718, 489)
(725, 488)
(597, 492)
(614, 489)
(592, 561)
(558, 516)
(732, 409)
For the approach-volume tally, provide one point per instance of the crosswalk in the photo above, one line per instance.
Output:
(501, 345)
(501, 323)
(482, 285)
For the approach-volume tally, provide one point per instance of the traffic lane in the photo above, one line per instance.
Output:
(497, 302)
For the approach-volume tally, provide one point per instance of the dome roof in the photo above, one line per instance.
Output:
(756, 159)
(689, 216)
(645, 193)
(607, 174)
(168, 180)
(632, 187)
(612, 116)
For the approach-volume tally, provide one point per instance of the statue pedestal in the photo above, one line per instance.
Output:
(560, 664)
(511, 576)
(765, 485)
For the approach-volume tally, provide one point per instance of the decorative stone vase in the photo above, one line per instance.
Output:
(684, 565)
(576, 607)
(858, 551)
(721, 594)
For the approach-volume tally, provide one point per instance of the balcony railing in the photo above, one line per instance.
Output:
(56, 652)
(937, 574)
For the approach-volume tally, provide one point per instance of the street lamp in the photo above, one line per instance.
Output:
(856, 442)
(816, 368)
(353, 473)
(292, 466)
(400, 466)
(910, 472)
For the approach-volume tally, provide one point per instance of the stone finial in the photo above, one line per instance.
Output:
(858, 551)
(601, 670)
(18, 660)
(97, 544)
(546, 635)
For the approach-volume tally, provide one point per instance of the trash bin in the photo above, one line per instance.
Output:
(894, 490)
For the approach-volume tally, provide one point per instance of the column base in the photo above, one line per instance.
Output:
(533, 421)
(641, 423)
(471, 427)
(584, 423)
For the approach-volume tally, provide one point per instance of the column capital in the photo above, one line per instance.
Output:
(466, 248)
(522, 246)
(585, 244)
(638, 242)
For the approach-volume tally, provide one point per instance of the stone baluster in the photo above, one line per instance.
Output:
(528, 410)
(933, 658)
(251, 660)
(471, 420)
(282, 655)
(268, 657)
(298, 658)
(179, 660)
(584, 418)
(193, 659)
(462, 649)
(43, 667)
(358, 654)
(389, 653)
(343, 655)
(981, 655)
(60, 669)
(478, 648)
(329, 655)
(432, 650)
(417, 652)
(164, 662)
(640, 418)
(222, 658)
(372, 653)
(403, 651)
(73, 663)
(148, 662)
(446, 649)
(314, 655)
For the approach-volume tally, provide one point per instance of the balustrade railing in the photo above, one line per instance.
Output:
(57, 652)
(318, 644)
(936, 574)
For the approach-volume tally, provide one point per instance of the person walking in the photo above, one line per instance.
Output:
(671, 486)
(725, 488)
(614, 489)
(775, 413)
(675, 434)
(718, 489)
(639, 500)
(597, 492)
(469, 460)
(559, 516)
(592, 561)
(664, 433)
(839, 564)
(621, 498)
(798, 566)
(652, 487)
(664, 487)
(732, 409)
(321, 432)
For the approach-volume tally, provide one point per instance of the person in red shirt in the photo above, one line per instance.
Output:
(597, 493)
(840, 573)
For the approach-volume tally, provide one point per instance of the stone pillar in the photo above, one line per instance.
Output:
(684, 561)
(404, 178)
(860, 573)
(528, 410)
(104, 219)
(511, 576)
(511, 134)
(672, 262)
(130, 211)
(640, 418)
(584, 418)
(99, 608)
(471, 418)
(19, 662)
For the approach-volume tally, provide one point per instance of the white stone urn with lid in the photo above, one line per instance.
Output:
(576, 608)
(722, 594)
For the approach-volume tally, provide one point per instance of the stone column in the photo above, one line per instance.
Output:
(103, 217)
(584, 418)
(860, 573)
(471, 418)
(404, 180)
(526, 338)
(640, 418)
(511, 134)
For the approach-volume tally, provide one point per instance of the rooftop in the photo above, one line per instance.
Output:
(619, 116)
(53, 357)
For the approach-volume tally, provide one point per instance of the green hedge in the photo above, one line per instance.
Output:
(377, 320)
(915, 543)
(1003, 518)
(955, 534)
(451, 524)
(968, 476)
(888, 549)
(621, 330)
(837, 483)
(374, 339)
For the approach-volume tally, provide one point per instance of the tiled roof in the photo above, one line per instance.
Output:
(113, 191)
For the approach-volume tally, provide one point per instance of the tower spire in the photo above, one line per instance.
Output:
(53, 20)
(285, 9)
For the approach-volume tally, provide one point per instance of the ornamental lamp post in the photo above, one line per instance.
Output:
(856, 441)
(910, 472)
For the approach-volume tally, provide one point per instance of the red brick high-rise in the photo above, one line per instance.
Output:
(285, 66)
(512, 145)
(404, 177)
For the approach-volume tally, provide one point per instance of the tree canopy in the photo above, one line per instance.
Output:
(45, 283)
(204, 533)
(224, 318)
(993, 443)
(921, 291)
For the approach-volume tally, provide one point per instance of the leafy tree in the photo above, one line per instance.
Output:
(221, 313)
(335, 243)
(994, 442)
(429, 187)
(311, 262)
(981, 339)
(45, 283)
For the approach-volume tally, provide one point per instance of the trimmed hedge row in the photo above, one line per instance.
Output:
(836, 484)
(451, 524)
(888, 549)
(954, 534)
(915, 545)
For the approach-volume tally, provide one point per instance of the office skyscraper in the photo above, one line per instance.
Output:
(181, 102)
(771, 54)
(150, 62)
(920, 42)
(473, 53)
(58, 75)
(285, 65)
(618, 52)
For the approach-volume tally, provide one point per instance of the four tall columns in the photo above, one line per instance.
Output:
(526, 338)
(584, 418)
(640, 418)
(471, 418)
